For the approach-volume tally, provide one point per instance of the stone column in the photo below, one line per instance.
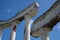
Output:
(27, 28)
(13, 32)
(44, 34)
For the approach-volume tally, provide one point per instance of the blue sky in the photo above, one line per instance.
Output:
(8, 8)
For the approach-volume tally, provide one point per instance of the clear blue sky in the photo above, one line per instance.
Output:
(8, 8)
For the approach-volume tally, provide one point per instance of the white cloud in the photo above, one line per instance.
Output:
(59, 26)
(9, 10)
(0, 38)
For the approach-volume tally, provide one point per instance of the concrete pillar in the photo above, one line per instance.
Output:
(44, 34)
(27, 29)
(13, 33)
